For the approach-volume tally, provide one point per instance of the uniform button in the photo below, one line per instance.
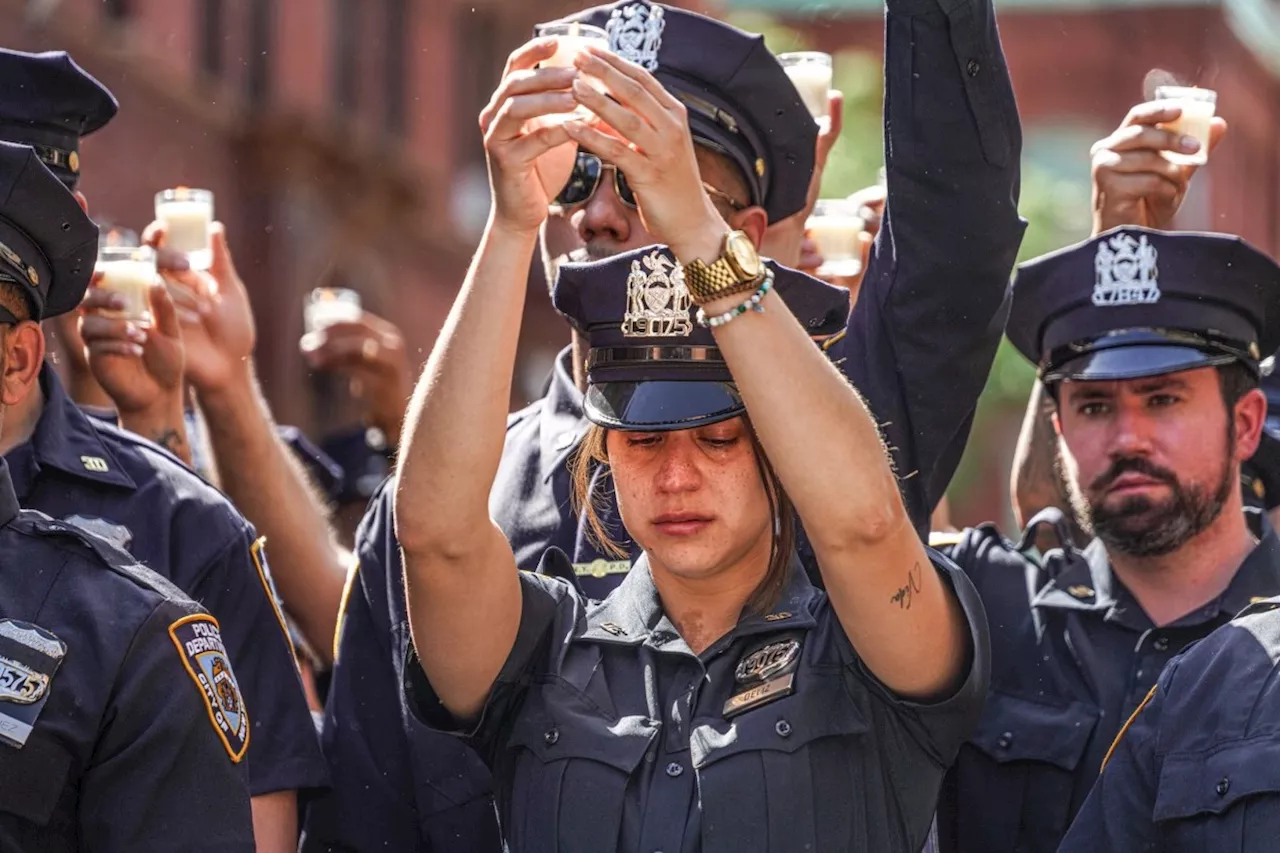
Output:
(1161, 644)
(1224, 785)
(551, 737)
(674, 770)
(973, 67)
(783, 728)
(1005, 740)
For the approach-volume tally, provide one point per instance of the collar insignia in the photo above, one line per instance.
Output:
(635, 33)
(29, 657)
(657, 300)
(1126, 271)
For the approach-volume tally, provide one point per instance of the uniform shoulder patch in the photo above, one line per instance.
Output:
(199, 642)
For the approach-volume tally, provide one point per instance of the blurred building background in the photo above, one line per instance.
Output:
(340, 138)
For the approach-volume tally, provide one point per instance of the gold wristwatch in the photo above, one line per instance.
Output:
(737, 270)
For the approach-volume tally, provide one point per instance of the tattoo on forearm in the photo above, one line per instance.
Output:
(172, 441)
(905, 593)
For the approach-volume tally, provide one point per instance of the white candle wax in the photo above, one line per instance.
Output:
(812, 80)
(132, 280)
(187, 229)
(836, 236)
(324, 313)
(1196, 119)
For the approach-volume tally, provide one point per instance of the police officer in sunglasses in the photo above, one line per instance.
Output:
(918, 345)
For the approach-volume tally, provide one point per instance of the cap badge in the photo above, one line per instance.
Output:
(1126, 272)
(73, 161)
(635, 33)
(657, 300)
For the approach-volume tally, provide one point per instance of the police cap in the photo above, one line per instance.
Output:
(740, 102)
(650, 366)
(1136, 302)
(47, 243)
(49, 102)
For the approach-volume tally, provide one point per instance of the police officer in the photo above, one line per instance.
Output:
(1148, 343)
(918, 347)
(1195, 767)
(117, 485)
(122, 725)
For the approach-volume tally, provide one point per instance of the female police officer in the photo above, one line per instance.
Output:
(715, 700)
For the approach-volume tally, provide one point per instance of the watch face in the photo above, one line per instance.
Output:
(744, 254)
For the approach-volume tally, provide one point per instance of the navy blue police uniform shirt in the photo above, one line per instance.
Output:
(919, 347)
(140, 498)
(1198, 766)
(1073, 654)
(611, 734)
(109, 740)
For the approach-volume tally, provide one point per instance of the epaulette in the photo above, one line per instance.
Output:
(122, 562)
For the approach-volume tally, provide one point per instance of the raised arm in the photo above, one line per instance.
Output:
(460, 576)
(904, 622)
(929, 317)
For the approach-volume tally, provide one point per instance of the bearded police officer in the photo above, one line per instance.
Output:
(1148, 343)
(918, 347)
(117, 485)
(122, 725)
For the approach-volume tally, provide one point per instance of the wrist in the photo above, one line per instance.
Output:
(704, 243)
(500, 230)
(230, 394)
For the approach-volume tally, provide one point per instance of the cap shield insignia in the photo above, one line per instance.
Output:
(1126, 272)
(635, 33)
(657, 300)
(29, 657)
(199, 642)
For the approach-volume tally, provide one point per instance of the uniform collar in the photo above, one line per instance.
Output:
(8, 498)
(562, 424)
(66, 440)
(1086, 582)
(632, 614)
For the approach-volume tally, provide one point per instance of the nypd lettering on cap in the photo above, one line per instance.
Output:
(199, 642)
(635, 33)
(658, 300)
(1126, 271)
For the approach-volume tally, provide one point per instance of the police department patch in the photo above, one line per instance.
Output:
(258, 551)
(199, 642)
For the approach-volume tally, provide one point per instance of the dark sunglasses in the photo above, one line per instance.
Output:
(585, 179)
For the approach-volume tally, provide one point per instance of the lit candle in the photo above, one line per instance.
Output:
(810, 72)
(835, 228)
(328, 306)
(1198, 107)
(571, 39)
(187, 216)
(130, 273)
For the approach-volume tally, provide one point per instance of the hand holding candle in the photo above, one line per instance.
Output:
(187, 216)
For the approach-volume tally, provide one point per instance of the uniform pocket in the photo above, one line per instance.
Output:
(757, 771)
(1015, 776)
(33, 779)
(571, 768)
(1204, 799)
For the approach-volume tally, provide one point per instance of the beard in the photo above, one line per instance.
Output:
(1140, 526)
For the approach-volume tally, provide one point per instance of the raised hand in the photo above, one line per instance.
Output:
(1133, 184)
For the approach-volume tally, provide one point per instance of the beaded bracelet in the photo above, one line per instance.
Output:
(752, 304)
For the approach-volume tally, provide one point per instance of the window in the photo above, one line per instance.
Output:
(210, 37)
(261, 31)
(396, 85)
(346, 46)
